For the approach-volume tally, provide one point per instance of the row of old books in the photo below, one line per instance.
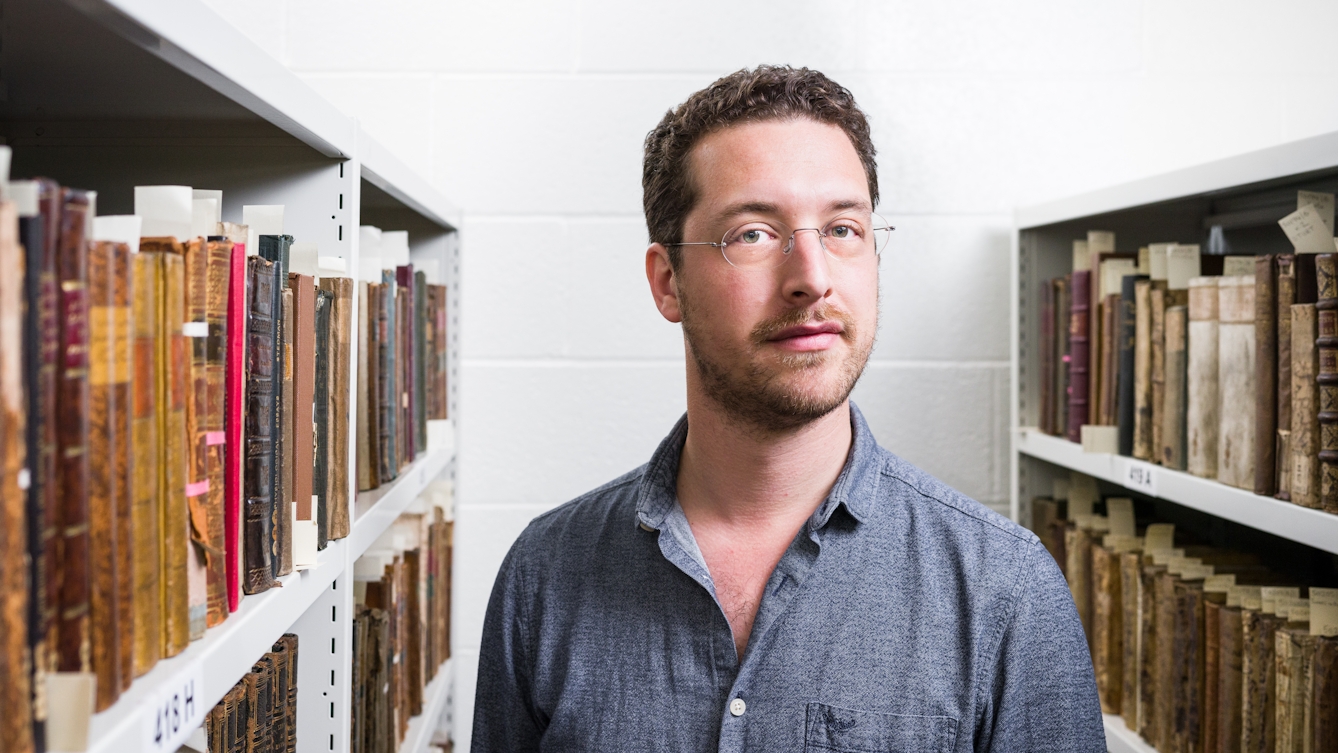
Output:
(401, 627)
(174, 429)
(1224, 366)
(259, 713)
(1199, 649)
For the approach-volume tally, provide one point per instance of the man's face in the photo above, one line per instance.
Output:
(777, 346)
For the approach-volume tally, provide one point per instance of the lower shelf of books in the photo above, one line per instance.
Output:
(1121, 739)
(1311, 527)
(435, 696)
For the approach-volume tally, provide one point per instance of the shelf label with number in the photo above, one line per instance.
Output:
(1140, 476)
(177, 710)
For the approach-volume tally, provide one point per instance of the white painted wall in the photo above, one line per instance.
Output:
(530, 115)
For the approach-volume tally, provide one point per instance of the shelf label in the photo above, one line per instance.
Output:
(177, 710)
(1140, 476)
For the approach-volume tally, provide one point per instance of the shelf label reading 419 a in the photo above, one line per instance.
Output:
(1140, 476)
(178, 710)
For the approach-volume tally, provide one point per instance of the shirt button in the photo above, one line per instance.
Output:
(737, 707)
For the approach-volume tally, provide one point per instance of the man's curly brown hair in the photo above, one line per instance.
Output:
(768, 92)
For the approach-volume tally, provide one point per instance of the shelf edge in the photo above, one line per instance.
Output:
(1121, 739)
(419, 735)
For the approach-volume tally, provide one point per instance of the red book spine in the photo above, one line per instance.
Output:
(234, 417)
(1079, 353)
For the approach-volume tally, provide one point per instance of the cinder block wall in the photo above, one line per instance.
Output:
(530, 116)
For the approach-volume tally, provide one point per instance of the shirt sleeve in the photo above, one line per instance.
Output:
(504, 714)
(1043, 697)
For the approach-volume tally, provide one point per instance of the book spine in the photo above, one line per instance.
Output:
(1229, 688)
(1110, 359)
(1189, 641)
(1304, 436)
(375, 307)
(123, 396)
(1326, 342)
(1095, 321)
(1295, 649)
(215, 425)
(102, 451)
(1212, 650)
(1142, 371)
(1324, 713)
(173, 372)
(72, 430)
(1059, 393)
(364, 423)
(1157, 391)
(304, 393)
(16, 724)
(1107, 632)
(1165, 670)
(341, 326)
(1130, 584)
(1202, 421)
(321, 418)
(1286, 297)
(284, 493)
(198, 458)
(1127, 363)
(388, 396)
(277, 249)
(1047, 355)
(1235, 379)
(234, 425)
(1265, 375)
(1147, 670)
(148, 607)
(262, 335)
(1078, 547)
(1257, 681)
(419, 395)
(1079, 354)
(1174, 432)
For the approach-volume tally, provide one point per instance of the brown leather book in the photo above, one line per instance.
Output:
(102, 453)
(413, 638)
(172, 373)
(443, 333)
(147, 525)
(1107, 630)
(1187, 724)
(304, 392)
(16, 724)
(1044, 513)
(404, 423)
(1235, 379)
(218, 286)
(1230, 691)
(1212, 655)
(289, 640)
(1142, 376)
(338, 489)
(418, 373)
(1110, 358)
(1078, 546)
(1304, 438)
(1326, 341)
(387, 396)
(1131, 661)
(364, 402)
(198, 457)
(1258, 705)
(320, 472)
(1265, 375)
(260, 705)
(1157, 391)
(1324, 708)
(73, 637)
(123, 346)
(1166, 671)
(279, 679)
(1295, 648)
(1202, 420)
(283, 493)
(1286, 297)
(262, 336)
(1174, 453)
(1151, 660)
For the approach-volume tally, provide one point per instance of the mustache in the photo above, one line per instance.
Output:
(768, 328)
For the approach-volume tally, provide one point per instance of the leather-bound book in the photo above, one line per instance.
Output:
(72, 645)
(1187, 725)
(1258, 676)
(1164, 603)
(1142, 376)
(1079, 353)
(1108, 627)
(1295, 649)
(218, 289)
(278, 248)
(1286, 297)
(147, 524)
(1201, 419)
(279, 679)
(1044, 512)
(194, 304)
(1047, 356)
(1148, 666)
(1078, 546)
(284, 490)
(1324, 708)
(1304, 438)
(304, 393)
(1265, 375)
(387, 388)
(1212, 655)
(406, 293)
(1057, 328)
(1174, 453)
(235, 423)
(260, 705)
(1131, 304)
(1235, 380)
(289, 640)
(419, 361)
(1100, 248)
(172, 375)
(123, 346)
(1109, 379)
(1157, 391)
(1130, 595)
(413, 639)
(15, 653)
(337, 487)
(102, 452)
(363, 403)
(1326, 341)
(1229, 687)
(262, 335)
(321, 419)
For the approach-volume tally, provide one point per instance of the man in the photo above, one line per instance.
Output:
(773, 580)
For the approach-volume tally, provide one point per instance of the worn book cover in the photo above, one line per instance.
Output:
(1079, 354)
(1235, 378)
(1142, 371)
(264, 298)
(1326, 342)
(1148, 671)
(338, 344)
(147, 523)
(1202, 417)
(1127, 363)
(198, 458)
(1174, 453)
(102, 486)
(217, 294)
(1230, 691)
(1265, 375)
(235, 422)
(366, 425)
(1107, 629)
(419, 343)
(1258, 675)
(1286, 298)
(1324, 690)
(1304, 436)
(285, 490)
(387, 371)
(123, 347)
(304, 395)
(1295, 650)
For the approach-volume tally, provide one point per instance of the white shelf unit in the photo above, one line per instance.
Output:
(1245, 196)
(110, 94)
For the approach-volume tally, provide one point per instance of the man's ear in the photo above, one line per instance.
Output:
(663, 282)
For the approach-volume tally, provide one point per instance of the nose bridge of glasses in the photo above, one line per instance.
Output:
(820, 237)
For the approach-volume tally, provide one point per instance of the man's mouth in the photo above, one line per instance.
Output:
(808, 337)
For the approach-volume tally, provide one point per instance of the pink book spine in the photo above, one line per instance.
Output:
(233, 422)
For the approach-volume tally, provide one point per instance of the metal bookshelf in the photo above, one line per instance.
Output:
(110, 94)
(1239, 200)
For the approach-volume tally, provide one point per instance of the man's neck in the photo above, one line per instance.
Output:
(734, 476)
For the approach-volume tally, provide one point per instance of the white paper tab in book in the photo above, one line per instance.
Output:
(175, 711)
(1324, 611)
(119, 228)
(1059, 489)
(92, 203)
(1159, 536)
(1271, 594)
(1082, 258)
(204, 193)
(261, 219)
(304, 539)
(1182, 265)
(1307, 231)
(1139, 476)
(24, 194)
(1120, 512)
(303, 258)
(1100, 439)
(202, 222)
(394, 248)
(1238, 266)
(1082, 494)
(165, 210)
(70, 697)
(1100, 242)
(1322, 202)
(1157, 253)
(6, 156)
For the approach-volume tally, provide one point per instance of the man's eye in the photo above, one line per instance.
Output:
(752, 236)
(841, 232)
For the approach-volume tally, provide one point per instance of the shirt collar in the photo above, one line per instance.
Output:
(854, 488)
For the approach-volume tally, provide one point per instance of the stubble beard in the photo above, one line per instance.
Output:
(764, 394)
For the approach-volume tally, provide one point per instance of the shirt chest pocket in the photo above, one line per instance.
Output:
(832, 729)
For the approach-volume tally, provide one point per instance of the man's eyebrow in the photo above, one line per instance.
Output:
(837, 206)
(765, 207)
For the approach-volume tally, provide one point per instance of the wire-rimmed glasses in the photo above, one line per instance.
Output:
(758, 244)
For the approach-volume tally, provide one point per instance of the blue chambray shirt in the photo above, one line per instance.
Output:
(903, 617)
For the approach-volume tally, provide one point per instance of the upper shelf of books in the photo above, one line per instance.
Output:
(118, 74)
